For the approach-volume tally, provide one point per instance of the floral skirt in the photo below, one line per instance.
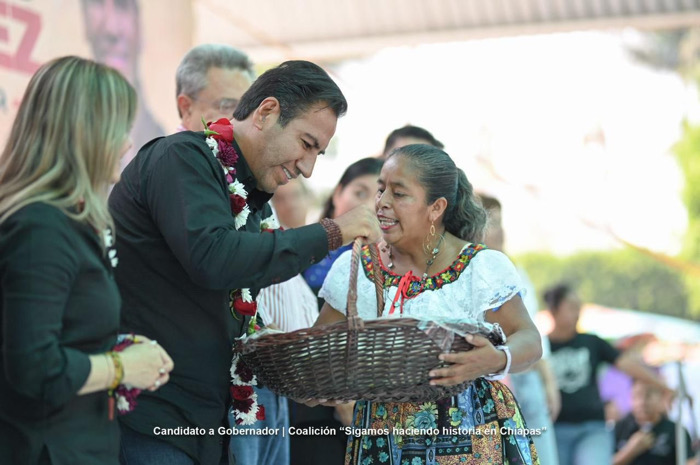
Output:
(481, 425)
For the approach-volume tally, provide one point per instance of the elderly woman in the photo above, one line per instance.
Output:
(430, 225)
(59, 303)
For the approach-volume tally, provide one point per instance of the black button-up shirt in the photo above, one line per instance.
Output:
(179, 256)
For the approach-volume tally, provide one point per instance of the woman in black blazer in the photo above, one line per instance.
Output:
(59, 304)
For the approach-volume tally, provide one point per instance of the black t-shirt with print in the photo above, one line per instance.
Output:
(663, 452)
(575, 363)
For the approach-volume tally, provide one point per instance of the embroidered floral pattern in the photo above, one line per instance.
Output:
(485, 407)
(417, 284)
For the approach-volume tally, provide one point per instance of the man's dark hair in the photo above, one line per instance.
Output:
(297, 85)
(555, 295)
(414, 132)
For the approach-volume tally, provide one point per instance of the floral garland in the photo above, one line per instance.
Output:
(219, 138)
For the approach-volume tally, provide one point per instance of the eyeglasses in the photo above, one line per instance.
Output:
(224, 105)
(227, 105)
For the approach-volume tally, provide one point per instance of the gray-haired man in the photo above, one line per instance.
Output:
(210, 81)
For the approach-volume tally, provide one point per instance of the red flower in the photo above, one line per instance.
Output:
(243, 372)
(227, 154)
(237, 203)
(243, 405)
(223, 129)
(245, 308)
(241, 392)
(122, 345)
(261, 412)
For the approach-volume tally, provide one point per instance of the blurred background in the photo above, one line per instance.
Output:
(581, 116)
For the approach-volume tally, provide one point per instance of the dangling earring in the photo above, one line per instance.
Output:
(432, 252)
(427, 247)
(387, 249)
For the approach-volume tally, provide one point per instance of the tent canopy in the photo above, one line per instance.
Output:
(328, 30)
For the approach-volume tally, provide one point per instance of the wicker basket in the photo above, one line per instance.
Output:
(380, 360)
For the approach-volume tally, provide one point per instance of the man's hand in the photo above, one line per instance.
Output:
(359, 222)
(553, 402)
(640, 442)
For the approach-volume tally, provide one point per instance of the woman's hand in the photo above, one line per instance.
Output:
(482, 360)
(146, 364)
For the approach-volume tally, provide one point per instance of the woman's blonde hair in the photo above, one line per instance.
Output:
(66, 140)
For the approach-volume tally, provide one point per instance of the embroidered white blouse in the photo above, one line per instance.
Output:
(488, 281)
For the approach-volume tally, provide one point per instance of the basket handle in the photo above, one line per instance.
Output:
(378, 278)
(354, 321)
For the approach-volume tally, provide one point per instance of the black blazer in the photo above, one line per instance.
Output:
(59, 303)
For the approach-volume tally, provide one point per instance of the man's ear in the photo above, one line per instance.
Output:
(267, 113)
(184, 105)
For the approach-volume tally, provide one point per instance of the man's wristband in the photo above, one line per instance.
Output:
(504, 373)
(335, 237)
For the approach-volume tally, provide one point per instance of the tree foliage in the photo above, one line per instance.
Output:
(687, 152)
(621, 278)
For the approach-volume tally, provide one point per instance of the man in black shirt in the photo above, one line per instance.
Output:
(646, 436)
(181, 252)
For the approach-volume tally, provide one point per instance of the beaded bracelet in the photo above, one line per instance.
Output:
(335, 237)
(118, 370)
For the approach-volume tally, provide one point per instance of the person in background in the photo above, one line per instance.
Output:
(209, 83)
(434, 269)
(357, 186)
(113, 30)
(408, 135)
(194, 253)
(582, 436)
(616, 386)
(59, 303)
(291, 204)
(536, 389)
(646, 436)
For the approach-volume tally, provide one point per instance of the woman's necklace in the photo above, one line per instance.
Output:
(428, 263)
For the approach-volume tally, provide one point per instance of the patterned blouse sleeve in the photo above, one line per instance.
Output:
(494, 281)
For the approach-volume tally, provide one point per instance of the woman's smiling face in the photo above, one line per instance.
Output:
(401, 204)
